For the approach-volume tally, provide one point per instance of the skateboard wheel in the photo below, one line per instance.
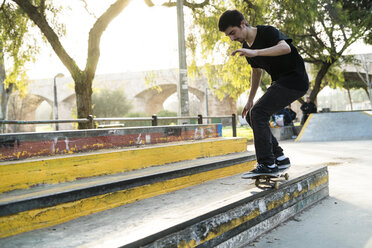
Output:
(276, 185)
(286, 176)
(257, 182)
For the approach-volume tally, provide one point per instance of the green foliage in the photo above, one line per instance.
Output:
(110, 103)
(226, 75)
(321, 30)
(137, 123)
(150, 81)
(166, 113)
(243, 131)
(17, 46)
(360, 13)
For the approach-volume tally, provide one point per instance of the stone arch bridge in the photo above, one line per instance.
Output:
(145, 97)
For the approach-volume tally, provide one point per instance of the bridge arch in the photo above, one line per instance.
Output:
(151, 100)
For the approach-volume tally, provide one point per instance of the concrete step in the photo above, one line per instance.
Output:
(28, 173)
(50, 204)
(225, 212)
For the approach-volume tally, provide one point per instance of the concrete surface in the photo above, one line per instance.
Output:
(342, 220)
(214, 204)
(345, 218)
(337, 126)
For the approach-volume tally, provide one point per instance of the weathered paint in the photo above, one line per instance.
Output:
(21, 146)
(221, 229)
(41, 218)
(274, 202)
(25, 174)
(244, 238)
(316, 183)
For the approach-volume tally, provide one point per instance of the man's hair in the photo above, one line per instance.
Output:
(230, 18)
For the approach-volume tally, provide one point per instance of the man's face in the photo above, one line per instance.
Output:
(235, 33)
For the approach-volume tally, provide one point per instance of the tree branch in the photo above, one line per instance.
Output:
(96, 32)
(149, 3)
(86, 8)
(188, 4)
(39, 19)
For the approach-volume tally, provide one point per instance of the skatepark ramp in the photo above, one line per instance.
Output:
(175, 194)
(337, 126)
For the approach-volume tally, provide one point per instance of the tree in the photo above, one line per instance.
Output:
(110, 103)
(227, 75)
(38, 12)
(362, 66)
(16, 49)
(360, 14)
(322, 31)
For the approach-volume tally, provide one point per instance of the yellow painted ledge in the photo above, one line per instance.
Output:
(23, 175)
(41, 218)
(217, 231)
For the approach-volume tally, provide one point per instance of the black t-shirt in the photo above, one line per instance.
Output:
(287, 70)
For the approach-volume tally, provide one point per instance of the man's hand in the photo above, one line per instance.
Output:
(245, 52)
(247, 108)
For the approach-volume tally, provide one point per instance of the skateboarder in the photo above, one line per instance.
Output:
(266, 48)
(307, 108)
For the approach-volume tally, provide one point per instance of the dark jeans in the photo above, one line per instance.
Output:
(276, 98)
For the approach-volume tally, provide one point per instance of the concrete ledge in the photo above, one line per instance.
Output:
(227, 212)
(27, 145)
(65, 168)
(55, 205)
(229, 226)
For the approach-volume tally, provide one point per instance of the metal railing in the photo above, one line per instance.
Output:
(154, 120)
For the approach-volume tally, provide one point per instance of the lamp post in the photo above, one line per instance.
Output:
(55, 103)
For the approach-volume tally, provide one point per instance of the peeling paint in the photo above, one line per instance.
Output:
(282, 203)
(44, 217)
(69, 168)
(49, 144)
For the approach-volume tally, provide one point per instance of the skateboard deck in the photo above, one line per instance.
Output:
(267, 179)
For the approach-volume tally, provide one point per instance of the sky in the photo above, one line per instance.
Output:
(139, 39)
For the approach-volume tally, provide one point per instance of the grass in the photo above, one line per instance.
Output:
(243, 131)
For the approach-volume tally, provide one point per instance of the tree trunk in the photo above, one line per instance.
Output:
(318, 81)
(349, 96)
(2, 81)
(4, 92)
(369, 86)
(83, 91)
(83, 79)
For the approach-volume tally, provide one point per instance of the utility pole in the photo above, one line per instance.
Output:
(182, 87)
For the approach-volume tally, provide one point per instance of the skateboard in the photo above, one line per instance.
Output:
(267, 179)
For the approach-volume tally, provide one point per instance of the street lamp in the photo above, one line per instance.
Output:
(55, 103)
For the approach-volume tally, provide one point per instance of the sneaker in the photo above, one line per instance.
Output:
(263, 169)
(283, 164)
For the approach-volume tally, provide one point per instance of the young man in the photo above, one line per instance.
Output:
(266, 48)
(307, 108)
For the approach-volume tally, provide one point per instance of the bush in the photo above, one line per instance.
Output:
(166, 113)
(110, 103)
(137, 123)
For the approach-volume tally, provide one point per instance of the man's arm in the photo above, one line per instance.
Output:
(255, 82)
(281, 48)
